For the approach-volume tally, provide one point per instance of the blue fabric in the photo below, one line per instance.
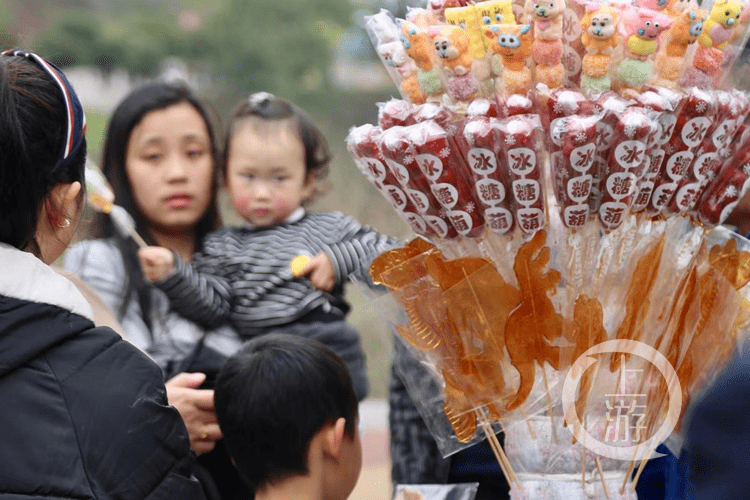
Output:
(659, 479)
(718, 438)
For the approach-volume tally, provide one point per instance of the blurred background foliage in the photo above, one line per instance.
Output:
(314, 52)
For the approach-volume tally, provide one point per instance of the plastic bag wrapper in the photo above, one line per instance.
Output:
(520, 141)
(98, 192)
(362, 143)
(395, 113)
(713, 152)
(722, 39)
(726, 191)
(399, 157)
(428, 329)
(490, 173)
(386, 39)
(419, 47)
(626, 165)
(691, 122)
(572, 155)
(440, 160)
(461, 491)
(663, 108)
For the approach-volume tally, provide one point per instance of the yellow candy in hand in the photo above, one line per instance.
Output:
(298, 265)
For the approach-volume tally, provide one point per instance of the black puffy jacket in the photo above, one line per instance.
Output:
(83, 414)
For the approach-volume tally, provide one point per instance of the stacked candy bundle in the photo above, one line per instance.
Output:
(565, 195)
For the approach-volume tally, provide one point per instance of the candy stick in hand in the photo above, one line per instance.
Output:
(101, 198)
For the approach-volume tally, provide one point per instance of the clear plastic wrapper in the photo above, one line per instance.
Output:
(439, 158)
(520, 143)
(362, 143)
(462, 491)
(395, 113)
(400, 159)
(490, 173)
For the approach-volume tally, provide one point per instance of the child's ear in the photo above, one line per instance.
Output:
(308, 189)
(334, 438)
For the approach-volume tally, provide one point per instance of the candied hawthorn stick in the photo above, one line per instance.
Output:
(519, 140)
(362, 143)
(490, 174)
(440, 160)
(400, 159)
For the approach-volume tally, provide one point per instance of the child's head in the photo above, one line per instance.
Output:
(287, 408)
(274, 159)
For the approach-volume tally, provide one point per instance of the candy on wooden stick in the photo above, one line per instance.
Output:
(513, 43)
(547, 19)
(599, 39)
(640, 30)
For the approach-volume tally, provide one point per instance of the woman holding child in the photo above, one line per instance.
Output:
(160, 158)
(88, 415)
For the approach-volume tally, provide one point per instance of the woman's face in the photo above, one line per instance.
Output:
(169, 166)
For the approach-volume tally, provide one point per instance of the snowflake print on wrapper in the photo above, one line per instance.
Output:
(630, 130)
(746, 169)
(510, 140)
(731, 192)
(700, 107)
(408, 159)
(469, 209)
(445, 152)
(559, 108)
(581, 137)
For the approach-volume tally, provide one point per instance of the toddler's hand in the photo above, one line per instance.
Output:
(320, 272)
(156, 262)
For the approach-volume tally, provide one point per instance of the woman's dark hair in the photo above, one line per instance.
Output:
(33, 134)
(265, 106)
(130, 112)
(273, 396)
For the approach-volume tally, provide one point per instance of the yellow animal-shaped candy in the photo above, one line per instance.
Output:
(717, 30)
(453, 48)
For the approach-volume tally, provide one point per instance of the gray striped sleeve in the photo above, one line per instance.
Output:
(198, 296)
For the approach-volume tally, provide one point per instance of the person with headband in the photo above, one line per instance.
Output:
(86, 413)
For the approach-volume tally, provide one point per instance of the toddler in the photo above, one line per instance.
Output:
(284, 269)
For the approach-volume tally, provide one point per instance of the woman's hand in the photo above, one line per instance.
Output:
(196, 408)
(156, 262)
(320, 272)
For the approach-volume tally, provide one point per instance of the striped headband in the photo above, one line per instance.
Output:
(75, 117)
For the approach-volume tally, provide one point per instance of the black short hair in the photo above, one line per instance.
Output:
(273, 396)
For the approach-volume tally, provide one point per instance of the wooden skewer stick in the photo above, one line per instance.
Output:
(583, 468)
(549, 405)
(601, 476)
(137, 237)
(497, 449)
(531, 428)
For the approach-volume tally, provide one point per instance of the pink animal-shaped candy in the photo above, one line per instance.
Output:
(640, 29)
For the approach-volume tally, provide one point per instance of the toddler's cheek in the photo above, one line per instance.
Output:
(283, 204)
(240, 203)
